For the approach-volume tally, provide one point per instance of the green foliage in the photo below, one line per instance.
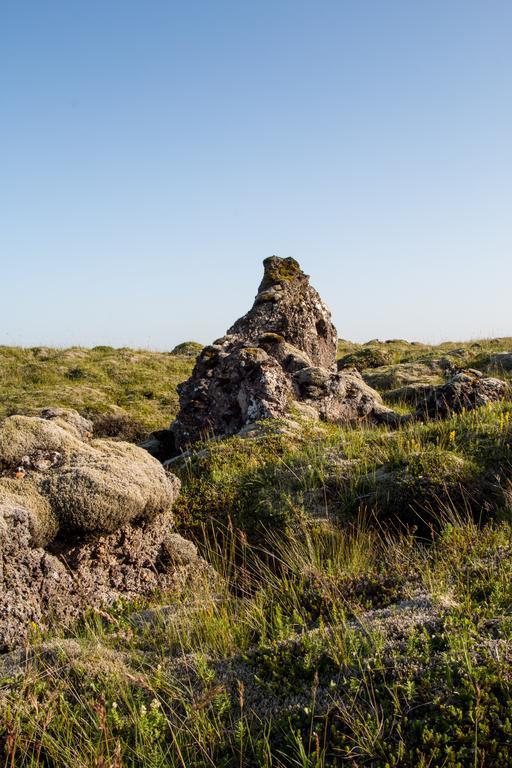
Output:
(231, 481)
(411, 476)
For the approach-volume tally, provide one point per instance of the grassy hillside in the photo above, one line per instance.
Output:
(93, 381)
(363, 617)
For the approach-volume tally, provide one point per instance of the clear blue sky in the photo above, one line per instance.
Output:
(154, 152)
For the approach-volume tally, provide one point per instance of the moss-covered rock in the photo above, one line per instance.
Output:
(76, 511)
(465, 391)
(257, 370)
(279, 270)
(271, 338)
(187, 348)
(85, 485)
(24, 493)
(389, 377)
(22, 436)
(363, 359)
(109, 485)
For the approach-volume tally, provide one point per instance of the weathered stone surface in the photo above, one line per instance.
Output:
(288, 306)
(66, 417)
(280, 354)
(82, 523)
(466, 390)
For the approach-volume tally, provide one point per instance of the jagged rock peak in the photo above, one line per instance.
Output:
(287, 305)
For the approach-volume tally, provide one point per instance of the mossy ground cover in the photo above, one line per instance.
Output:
(396, 351)
(363, 617)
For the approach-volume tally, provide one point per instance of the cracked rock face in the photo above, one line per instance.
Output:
(82, 523)
(280, 355)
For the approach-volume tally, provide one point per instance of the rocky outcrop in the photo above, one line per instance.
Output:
(83, 523)
(465, 391)
(281, 355)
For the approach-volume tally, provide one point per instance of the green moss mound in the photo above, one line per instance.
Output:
(280, 270)
(187, 348)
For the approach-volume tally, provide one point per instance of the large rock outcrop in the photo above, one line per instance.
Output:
(281, 355)
(83, 523)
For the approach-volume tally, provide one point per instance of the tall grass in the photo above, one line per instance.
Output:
(346, 647)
